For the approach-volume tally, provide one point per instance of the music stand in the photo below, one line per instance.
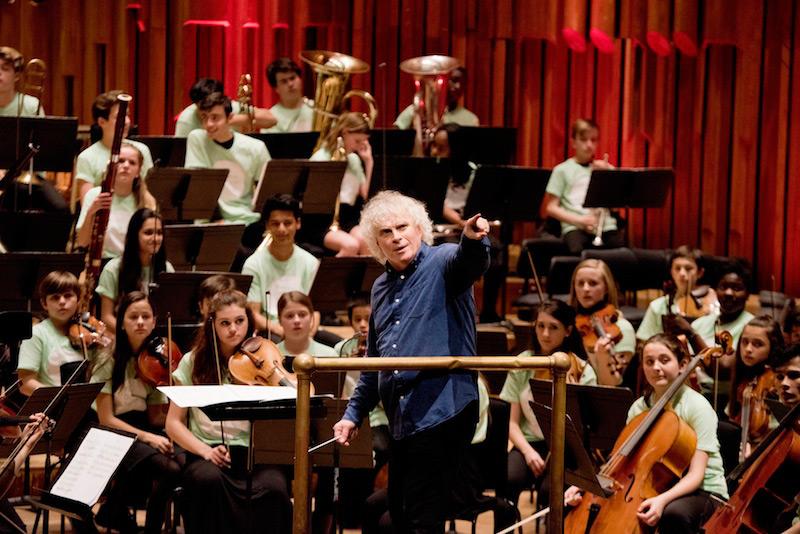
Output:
(579, 470)
(55, 137)
(177, 293)
(392, 141)
(507, 192)
(338, 279)
(594, 409)
(21, 272)
(22, 231)
(424, 179)
(288, 145)
(315, 183)
(166, 150)
(202, 247)
(629, 188)
(186, 194)
(484, 144)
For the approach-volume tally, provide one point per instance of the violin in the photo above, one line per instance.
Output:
(766, 483)
(695, 303)
(89, 331)
(576, 366)
(755, 414)
(598, 325)
(157, 360)
(654, 449)
(8, 413)
(258, 362)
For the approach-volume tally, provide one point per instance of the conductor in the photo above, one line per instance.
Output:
(422, 306)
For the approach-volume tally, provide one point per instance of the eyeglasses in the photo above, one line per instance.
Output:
(791, 375)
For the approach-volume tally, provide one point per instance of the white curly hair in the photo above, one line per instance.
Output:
(391, 205)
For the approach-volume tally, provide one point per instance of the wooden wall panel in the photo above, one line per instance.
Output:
(716, 107)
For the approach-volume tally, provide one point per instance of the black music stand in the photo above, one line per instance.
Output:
(176, 293)
(579, 470)
(425, 179)
(339, 279)
(22, 231)
(288, 145)
(186, 194)
(392, 141)
(55, 137)
(594, 409)
(21, 272)
(484, 144)
(629, 188)
(315, 183)
(166, 150)
(507, 192)
(203, 247)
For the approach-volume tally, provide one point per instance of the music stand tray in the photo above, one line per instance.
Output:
(55, 137)
(22, 231)
(186, 194)
(166, 150)
(176, 293)
(315, 183)
(484, 144)
(338, 279)
(288, 145)
(397, 142)
(203, 247)
(422, 178)
(507, 193)
(629, 188)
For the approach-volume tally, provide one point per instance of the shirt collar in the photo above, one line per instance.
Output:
(421, 253)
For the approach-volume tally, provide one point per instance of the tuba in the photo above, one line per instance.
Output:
(431, 74)
(333, 71)
(244, 95)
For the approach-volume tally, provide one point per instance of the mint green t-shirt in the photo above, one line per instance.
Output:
(29, 105)
(354, 175)
(46, 351)
(189, 119)
(460, 115)
(245, 161)
(569, 181)
(108, 284)
(122, 209)
(706, 327)
(278, 277)
(93, 162)
(695, 410)
(517, 390)
(132, 395)
(318, 350)
(299, 119)
(237, 433)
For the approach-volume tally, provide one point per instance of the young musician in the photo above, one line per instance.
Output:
(92, 163)
(215, 477)
(787, 375)
(144, 257)
(11, 65)
(129, 402)
(422, 304)
(555, 331)
(278, 265)
(219, 146)
(592, 289)
(210, 287)
(10, 521)
(685, 270)
(566, 192)
(292, 114)
(130, 193)
(296, 315)
(41, 356)
(684, 507)
(189, 118)
(455, 112)
(353, 130)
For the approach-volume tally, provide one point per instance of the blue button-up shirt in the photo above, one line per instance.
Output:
(425, 310)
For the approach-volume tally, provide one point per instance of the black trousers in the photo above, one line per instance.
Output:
(521, 478)
(424, 468)
(578, 240)
(687, 513)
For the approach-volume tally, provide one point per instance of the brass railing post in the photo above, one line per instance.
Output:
(558, 441)
(302, 425)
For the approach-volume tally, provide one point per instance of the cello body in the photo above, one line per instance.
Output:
(660, 458)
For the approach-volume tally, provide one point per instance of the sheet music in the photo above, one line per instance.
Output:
(200, 396)
(92, 466)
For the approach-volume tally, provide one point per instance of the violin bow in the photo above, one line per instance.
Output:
(219, 370)
(538, 290)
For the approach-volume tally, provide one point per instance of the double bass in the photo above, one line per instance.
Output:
(652, 451)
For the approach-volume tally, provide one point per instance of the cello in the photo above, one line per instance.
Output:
(766, 483)
(653, 449)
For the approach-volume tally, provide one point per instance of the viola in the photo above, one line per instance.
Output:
(576, 366)
(89, 331)
(755, 414)
(258, 362)
(695, 303)
(601, 324)
(157, 360)
(653, 450)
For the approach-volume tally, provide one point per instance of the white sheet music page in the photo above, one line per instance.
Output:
(92, 466)
(200, 396)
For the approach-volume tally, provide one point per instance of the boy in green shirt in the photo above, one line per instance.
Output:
(292, 113)
(12, 102)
